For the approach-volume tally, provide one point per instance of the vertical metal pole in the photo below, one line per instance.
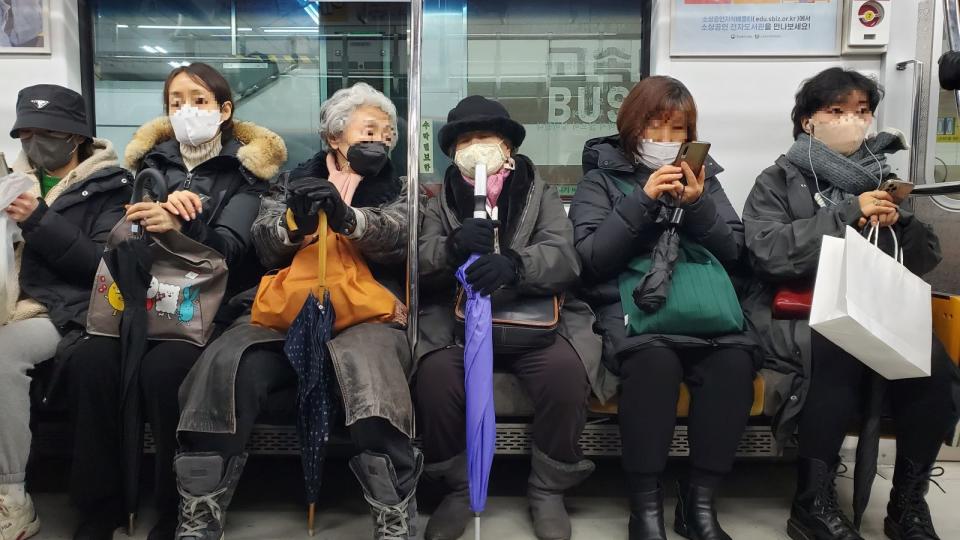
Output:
(233, 27)
(414, 42)
(918, 132)
(951, 11)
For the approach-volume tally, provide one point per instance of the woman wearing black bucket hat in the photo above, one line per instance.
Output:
(526, 252)
(77, 196)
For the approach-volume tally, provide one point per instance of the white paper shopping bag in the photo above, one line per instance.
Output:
(870, 305)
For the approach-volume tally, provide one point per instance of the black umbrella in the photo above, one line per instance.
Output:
(868, 447)
(651, 292)
(306, 350)
(130, 263)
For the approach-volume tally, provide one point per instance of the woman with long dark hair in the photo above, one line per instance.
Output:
(215, 168)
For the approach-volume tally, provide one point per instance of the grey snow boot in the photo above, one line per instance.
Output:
(450, 519)
(393, 506)
(548, 480)
(206, 486)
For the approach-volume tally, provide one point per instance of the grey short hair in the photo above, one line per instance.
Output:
(335, 112)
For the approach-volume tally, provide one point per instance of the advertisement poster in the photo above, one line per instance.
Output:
(755, 28)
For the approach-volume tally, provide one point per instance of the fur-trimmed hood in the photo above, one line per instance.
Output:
(262, 151)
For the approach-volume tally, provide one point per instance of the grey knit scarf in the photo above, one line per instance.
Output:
(840, 177)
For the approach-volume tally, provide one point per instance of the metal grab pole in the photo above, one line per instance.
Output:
(415, 43)
(916, 167)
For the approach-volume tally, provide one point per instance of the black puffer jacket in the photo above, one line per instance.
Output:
(611, 228)
(234, 181)
(64, 238)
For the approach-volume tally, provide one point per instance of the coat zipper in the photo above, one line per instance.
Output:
(188, 181)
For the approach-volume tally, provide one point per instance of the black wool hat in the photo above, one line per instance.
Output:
(477, 113)
(51, 107)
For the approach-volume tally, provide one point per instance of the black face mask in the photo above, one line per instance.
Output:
(367, 158)
(47, 152)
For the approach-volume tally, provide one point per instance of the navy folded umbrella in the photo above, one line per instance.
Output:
(306, 350)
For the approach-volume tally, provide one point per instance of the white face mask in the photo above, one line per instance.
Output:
(193, 126)
(490, 154)
(657, 154)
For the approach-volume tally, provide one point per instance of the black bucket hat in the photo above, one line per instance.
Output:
(51, 107)
(477, 113)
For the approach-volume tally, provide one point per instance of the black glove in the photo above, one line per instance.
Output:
(300, 206)
(476, 235)
(314, 195)
(490, 272)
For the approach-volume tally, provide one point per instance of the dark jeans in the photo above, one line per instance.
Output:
(923, 408)
(720, 381)
(553, 377)
(264, 370)
(94, 368)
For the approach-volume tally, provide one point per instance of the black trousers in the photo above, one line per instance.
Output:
(94, 370)
(720, 381)
(264, 370)
(553, 377)
(923, 408)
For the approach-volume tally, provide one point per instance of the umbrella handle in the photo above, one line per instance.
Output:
(322, 252)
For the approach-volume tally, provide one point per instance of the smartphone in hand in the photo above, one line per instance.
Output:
(694, 154)
(898, 189)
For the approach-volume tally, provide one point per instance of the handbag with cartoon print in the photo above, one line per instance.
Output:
(187, 287)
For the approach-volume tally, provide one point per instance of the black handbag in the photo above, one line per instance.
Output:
(520, 323)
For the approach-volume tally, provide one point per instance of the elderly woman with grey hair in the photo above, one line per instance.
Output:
(352, 181)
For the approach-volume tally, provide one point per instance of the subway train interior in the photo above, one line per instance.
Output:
(563, 70)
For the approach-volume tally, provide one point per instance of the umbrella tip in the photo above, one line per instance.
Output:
(131, 524)
(311, 517)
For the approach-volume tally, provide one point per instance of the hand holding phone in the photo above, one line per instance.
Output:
(898, 189)
(693, 154)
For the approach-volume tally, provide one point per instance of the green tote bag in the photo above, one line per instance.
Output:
(701, 299)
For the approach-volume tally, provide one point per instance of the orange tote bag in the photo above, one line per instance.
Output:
(335, 264)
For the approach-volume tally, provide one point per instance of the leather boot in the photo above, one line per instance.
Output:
(548, 480)
(450, 519)
(646, 516)
(908, 516)
(816, 514)
(696, 515)
(393, 506)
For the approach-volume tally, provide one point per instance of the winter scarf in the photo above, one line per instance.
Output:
(841, 177)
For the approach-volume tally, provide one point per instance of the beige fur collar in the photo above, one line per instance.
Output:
(263, 151)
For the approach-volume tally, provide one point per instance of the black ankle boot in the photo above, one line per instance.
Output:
(908, 516)
(696, 515)
(646, 516)
(816, 513)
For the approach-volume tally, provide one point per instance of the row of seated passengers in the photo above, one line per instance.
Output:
(225, 193)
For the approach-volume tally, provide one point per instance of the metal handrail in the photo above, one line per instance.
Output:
(916, 165)
(951, 9)
(413, 172)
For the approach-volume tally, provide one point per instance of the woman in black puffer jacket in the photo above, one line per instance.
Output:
(619, 214)
(216, 170)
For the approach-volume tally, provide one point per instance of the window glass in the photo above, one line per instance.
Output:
(561, 67)
(282, 59)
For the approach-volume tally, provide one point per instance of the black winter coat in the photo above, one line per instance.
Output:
(63, 242)
(234, 181)
(611, 228)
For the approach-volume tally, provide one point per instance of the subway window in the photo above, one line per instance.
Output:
(282, 59)
(561, 67)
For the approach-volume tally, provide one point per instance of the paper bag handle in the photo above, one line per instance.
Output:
(873, 236)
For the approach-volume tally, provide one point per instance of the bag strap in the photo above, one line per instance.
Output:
(873, 236)
(322, 252)
(626, 187)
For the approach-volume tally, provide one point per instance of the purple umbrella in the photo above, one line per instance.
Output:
(478, 373)
(478, 382)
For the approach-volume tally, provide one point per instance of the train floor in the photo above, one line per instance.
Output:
(268, 504)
